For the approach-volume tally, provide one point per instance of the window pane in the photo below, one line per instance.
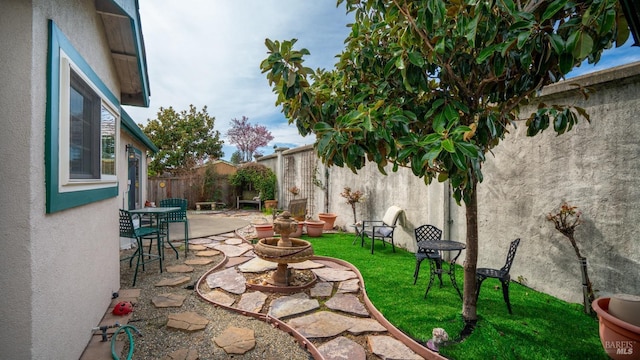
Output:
(108, 130)
(83, 132)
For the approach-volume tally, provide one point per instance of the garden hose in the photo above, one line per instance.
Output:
(127, 329)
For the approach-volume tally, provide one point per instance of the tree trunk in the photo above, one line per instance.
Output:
(469, 313)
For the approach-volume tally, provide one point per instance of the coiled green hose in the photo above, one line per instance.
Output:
(127, 329)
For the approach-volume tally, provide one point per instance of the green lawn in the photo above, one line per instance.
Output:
(541, 327)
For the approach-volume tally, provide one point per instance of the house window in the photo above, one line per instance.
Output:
(83, 119)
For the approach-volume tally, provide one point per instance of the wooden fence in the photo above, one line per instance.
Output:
(192, 188)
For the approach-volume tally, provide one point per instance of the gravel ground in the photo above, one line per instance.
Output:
(158, 342)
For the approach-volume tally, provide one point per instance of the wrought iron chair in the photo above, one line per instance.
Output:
(381, 229)
(501, 274)
(430, 233)
(177, 217)
(128, 230)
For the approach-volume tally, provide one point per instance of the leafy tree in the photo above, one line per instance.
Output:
(185, 139)
(247, 137)
(236, 157)
(434, 85)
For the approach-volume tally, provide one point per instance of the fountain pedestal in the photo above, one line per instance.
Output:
(283, 250)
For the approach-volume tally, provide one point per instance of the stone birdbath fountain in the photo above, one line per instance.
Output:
(283, 250)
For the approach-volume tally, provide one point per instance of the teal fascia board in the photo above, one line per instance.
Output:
(134, 130)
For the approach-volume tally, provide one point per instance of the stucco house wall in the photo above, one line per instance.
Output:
(596, 166)
(59, 267)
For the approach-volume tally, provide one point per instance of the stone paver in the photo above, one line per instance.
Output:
(236, 340)
(199, 261)
(208, 253)
(292, 305)
(321, 289)
(233, 241)
(349, 286)
(199, 241)
(306, 265)
(233, 250)
(256, 265)
(347, 303)
(342, 348)
(179, 269)
(218, 238)
(229, 279)
(329, 274)
(187, 321)
(235, 261)
(366, 325)
(174, 281)
(219, 297)
(387, 347)
(168, 300)
(252, 301)
(197, 247)
(321, 324)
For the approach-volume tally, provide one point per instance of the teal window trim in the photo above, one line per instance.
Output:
(57, 200)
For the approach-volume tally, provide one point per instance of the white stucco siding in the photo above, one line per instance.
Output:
(59, 269)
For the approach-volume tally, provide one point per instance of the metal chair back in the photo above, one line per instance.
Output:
(510, 255)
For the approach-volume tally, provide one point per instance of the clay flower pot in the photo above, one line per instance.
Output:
(617, 336)
(329, 219)
(263, 230)
(298, 232)
(314, 227)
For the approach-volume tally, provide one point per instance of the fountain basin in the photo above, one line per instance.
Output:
(268, 249)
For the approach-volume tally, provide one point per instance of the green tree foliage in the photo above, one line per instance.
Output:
(254, 176)
(185, 139)
(434, 85)
(236, 157)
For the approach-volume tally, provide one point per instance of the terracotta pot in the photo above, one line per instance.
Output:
(329, 219)
(618, 337)
(314, 228)
(263, 230)
(271, 204)
(298, 232)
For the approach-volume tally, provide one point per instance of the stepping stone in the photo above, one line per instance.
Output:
(168, 300)
(347, 303)
(252, 301)
(321, 324)
(387, 347)
(285, 306)
(200, 261)
(342, 348)
(237, 260)
(174, 281)
(199, 241)
(182, 354)
(233, 241)
(229, 280)
(212, 244)
(366, 325)
(329, 274)
(322, 289)
(208, 253)
(349, 286)
(196, 247)
(236, 340)
(220, 297)
(179, 269)
(233, 250)
(332, 264)
(187, 321)
(257, 265)
(218, 238)
(305, 265)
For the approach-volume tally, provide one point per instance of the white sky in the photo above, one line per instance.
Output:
(208, 52)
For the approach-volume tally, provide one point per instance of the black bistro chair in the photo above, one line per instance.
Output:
(128, 230)
(430, 233)
(501, 274)
(177, 217)
(381, 229)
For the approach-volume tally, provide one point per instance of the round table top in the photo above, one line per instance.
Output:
(444, 245)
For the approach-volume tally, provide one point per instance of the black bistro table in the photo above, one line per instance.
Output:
(157, 215)
(442, 245)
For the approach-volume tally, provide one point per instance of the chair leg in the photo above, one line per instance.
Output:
(439, 267)
(416, 271)
(479, 281)
(393, 246)
(505, 294)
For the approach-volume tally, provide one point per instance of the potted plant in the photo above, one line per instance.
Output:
(353, 197)
(619, 325)
(314, 227)
(329, 219)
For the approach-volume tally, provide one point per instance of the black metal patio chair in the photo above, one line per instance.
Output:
(501, 274)
(429, 233)
(382, 229)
